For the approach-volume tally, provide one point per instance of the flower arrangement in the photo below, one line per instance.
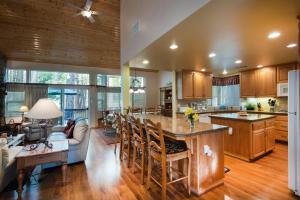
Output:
(192, 117)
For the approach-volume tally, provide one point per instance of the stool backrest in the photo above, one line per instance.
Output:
(155, 136)
(137, 129)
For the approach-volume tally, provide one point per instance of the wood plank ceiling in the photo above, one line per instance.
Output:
(45, 31)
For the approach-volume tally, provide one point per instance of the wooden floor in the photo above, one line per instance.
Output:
(104, 177)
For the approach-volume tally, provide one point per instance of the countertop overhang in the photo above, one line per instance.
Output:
(249, 117)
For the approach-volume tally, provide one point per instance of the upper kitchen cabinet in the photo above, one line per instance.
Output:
(193, 85)
(258, 83)
(247, 83)
(266, 82)
(282, 72)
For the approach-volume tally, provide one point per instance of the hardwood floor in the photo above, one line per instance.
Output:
(103, 177)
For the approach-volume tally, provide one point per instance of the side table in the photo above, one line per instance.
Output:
(41, 155)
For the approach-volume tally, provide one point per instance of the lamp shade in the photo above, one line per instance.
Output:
(24, 109)
(44, 109)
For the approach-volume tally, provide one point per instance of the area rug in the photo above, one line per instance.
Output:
(108, 136)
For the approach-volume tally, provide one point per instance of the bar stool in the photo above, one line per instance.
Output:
(139, 145)
(118, 130)
(165, 151)
(126, 139)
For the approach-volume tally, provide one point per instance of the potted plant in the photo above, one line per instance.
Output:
(272, 104)
(191, 117)
(250, 106)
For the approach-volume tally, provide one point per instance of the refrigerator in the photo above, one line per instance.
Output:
(293, 132)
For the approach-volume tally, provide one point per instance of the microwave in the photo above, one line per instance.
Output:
(282, 89)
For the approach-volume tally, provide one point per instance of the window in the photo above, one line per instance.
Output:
(138, 99)
(13, 101)
(101, 101)
(59, 78)
(113, 101)
(101, 80)
(228, 95)
(16, 76)
(113, 81)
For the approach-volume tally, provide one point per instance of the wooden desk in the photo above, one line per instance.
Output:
(41, 155)
(207, 169)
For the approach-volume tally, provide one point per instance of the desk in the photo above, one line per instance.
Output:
(26, 159)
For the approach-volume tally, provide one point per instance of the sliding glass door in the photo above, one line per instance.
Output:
(72, 101)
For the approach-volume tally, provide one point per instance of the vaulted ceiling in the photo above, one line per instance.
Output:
(233, 30)
(46, 31)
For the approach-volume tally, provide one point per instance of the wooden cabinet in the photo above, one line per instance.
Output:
(282, 72)
(258, 83)
(266, 82)
(247, 140)
(247, 83)
(194, 85)
(187, 84)
(281, 128)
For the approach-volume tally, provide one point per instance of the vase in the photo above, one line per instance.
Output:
(192, 124)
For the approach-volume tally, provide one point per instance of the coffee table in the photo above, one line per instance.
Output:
(28, 159)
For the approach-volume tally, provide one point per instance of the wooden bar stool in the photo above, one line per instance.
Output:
(165, 151)
(139, 146)
(126, 138)
(118, 130)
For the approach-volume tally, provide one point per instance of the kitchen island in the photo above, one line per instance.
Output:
(249, 137)
(206, 142)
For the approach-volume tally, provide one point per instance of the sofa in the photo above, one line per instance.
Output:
(8, 164)
(78, 145)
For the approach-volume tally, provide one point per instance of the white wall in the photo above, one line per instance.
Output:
(154, 17)
(165, 77)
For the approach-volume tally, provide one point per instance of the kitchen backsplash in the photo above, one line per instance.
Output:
(281, 103)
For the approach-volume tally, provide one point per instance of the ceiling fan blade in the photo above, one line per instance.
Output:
(73, 6)
(91, 18)
(77, 14)
(88, 4)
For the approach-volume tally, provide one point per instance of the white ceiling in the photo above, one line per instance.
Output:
(233, 29)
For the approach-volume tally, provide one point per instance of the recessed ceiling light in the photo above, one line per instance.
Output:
(292, 45)
(259, 66)
(225, 72)
(238, 61)
(211, 55)
(173, 46)
(203, 70)
(274, 34)
(145, 62)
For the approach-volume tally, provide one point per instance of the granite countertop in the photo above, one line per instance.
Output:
(178, 127)
(249, 117)
(235, 111)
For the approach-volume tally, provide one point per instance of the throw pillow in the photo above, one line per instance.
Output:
(68, 126)
(69, 132)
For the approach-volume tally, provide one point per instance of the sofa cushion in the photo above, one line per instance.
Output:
(12, 152)
(57, 136)
(5, 157)
(80, 129)
(73, 144)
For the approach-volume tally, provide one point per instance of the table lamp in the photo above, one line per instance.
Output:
(44, 109)
(23, 109)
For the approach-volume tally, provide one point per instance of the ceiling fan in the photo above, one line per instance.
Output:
(86, 11)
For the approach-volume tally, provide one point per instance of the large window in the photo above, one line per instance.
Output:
(228, 95)
(113, 81)
(59, 78)
(16, 76)
(13, 101)
(113, 101)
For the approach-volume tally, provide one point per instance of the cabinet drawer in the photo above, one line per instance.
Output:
(282, 118)
(270, 123)
(281, 135)
(281, 125)
(258, 125)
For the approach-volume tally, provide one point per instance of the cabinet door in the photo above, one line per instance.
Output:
(259, 144)
(266, 82)
(282, 72)
(198, 85)
(247, 84)
(270, 138)
(207, 87)
(187, 85)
